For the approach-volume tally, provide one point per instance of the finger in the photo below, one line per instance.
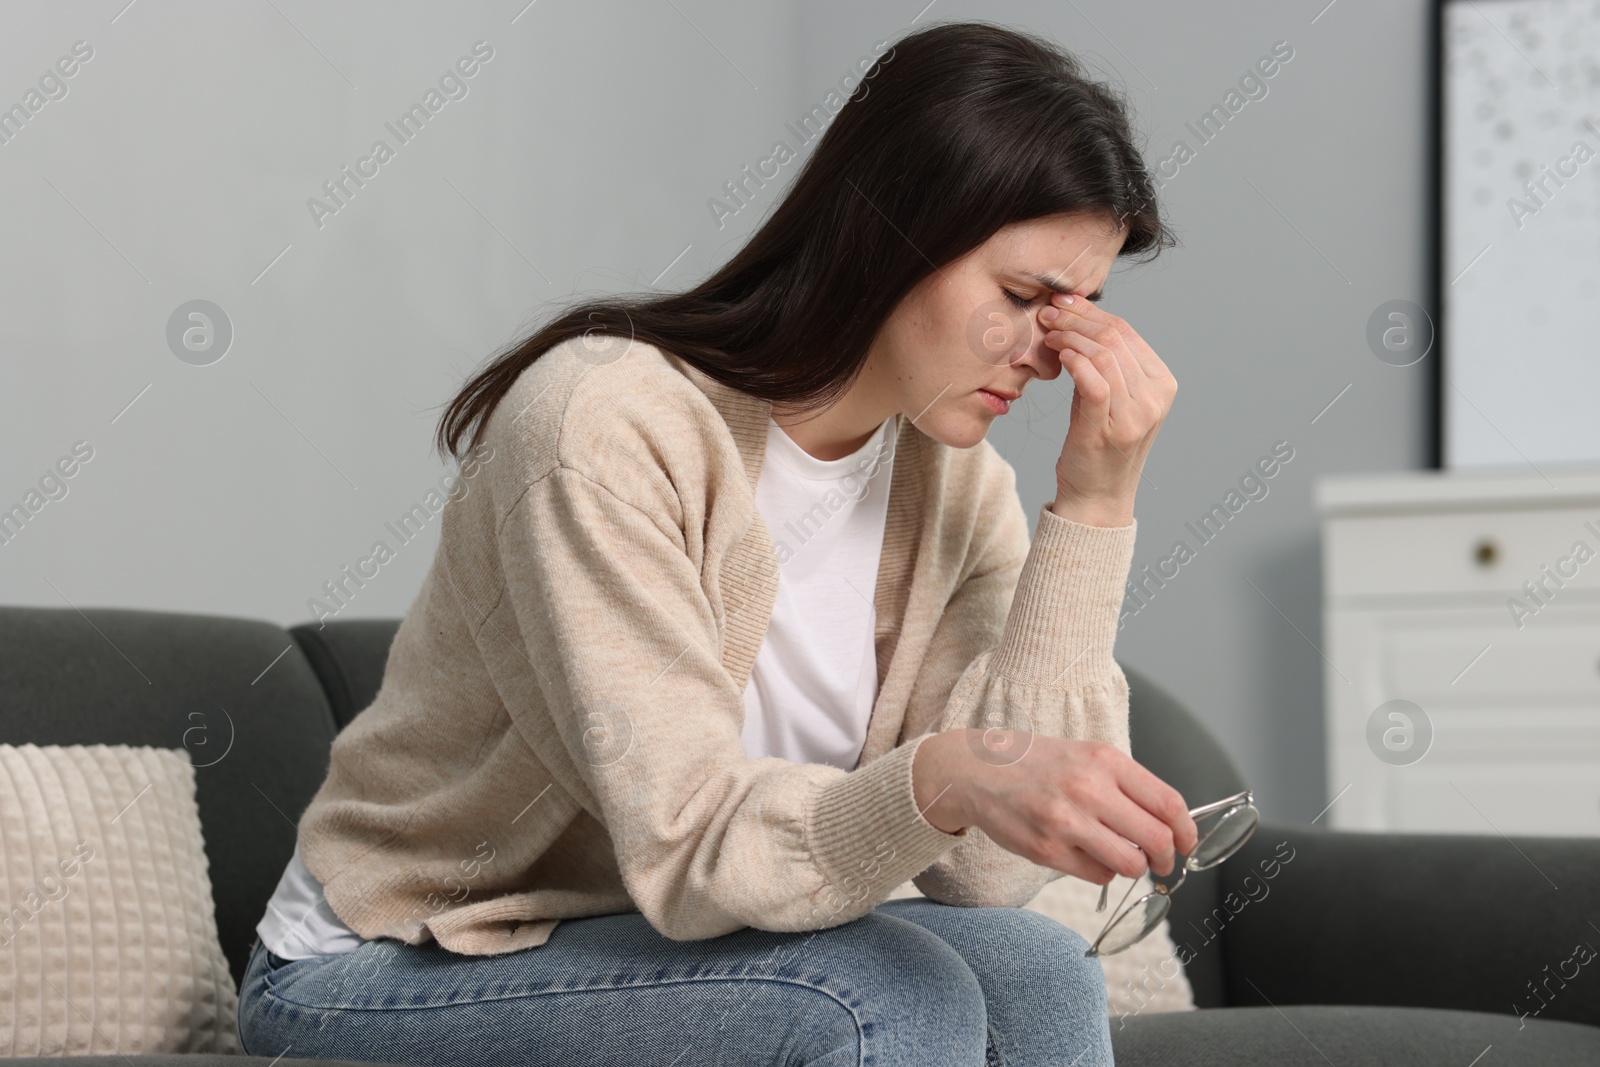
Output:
(1128, 375)
(1162, 802)
(1119, 409)
(1112, 850)
(1144, 357)
(1131, 820)
(1095, 339)
(1091, 393)
(1103, 843)
(1134, 417)
(1087, 867)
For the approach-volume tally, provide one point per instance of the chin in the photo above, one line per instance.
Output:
(957, 433)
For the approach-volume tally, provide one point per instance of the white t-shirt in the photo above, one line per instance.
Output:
(814, 679)
(298, 922)
(815, 676)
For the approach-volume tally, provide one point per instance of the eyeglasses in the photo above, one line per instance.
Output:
(1236, 819)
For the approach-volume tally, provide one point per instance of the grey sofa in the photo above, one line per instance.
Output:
(1368, 949)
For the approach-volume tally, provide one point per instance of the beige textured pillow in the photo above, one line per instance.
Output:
(1144, 979)
(108, 942)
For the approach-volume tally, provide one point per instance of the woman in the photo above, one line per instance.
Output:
(626, 797)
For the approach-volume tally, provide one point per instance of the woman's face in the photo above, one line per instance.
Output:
(974, 325)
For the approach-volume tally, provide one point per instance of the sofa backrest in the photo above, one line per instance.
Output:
(349, 656)
(237, 694)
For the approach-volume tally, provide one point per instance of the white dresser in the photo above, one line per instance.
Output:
(1461, 623)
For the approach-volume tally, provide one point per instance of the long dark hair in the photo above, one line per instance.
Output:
(960, 129)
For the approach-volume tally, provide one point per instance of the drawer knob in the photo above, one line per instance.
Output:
(1486, 552)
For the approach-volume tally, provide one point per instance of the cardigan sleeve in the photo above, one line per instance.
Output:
(1024, 643)
(638, 713)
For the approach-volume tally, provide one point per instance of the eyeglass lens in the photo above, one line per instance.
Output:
(1138, 921)
(1232, 829)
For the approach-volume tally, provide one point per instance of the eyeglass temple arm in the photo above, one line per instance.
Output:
(1246, 797)
(1116, 913)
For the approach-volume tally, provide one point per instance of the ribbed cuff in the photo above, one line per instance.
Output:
(869, 836)
(1063, 618)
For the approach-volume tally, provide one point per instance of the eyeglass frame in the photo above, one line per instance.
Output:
(1240, 800)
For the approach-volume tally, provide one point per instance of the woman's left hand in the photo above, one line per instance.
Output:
(1122, 392)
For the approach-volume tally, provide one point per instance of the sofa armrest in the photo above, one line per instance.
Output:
(1474, 922)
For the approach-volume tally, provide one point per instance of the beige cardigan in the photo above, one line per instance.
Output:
(557, 734)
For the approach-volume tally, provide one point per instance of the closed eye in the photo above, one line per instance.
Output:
(1019, 301)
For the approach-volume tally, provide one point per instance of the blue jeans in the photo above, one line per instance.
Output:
(912, 983)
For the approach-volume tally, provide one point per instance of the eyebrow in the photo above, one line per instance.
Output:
(1056, 287)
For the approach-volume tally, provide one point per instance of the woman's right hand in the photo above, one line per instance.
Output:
(1081, 807)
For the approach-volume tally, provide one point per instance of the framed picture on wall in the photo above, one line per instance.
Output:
(1518, 262)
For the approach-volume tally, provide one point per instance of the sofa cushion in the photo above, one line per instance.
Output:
(1236, 1037)
(111, 935)
(237, 693)
(1299, 1035)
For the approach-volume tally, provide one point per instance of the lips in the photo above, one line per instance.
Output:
(998, 403)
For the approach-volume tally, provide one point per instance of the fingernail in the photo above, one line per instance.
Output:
(1050, 314)
(1064, 298)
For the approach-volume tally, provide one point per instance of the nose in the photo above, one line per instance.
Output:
(1040, 358)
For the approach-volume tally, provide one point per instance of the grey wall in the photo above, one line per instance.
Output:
(178, 166)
